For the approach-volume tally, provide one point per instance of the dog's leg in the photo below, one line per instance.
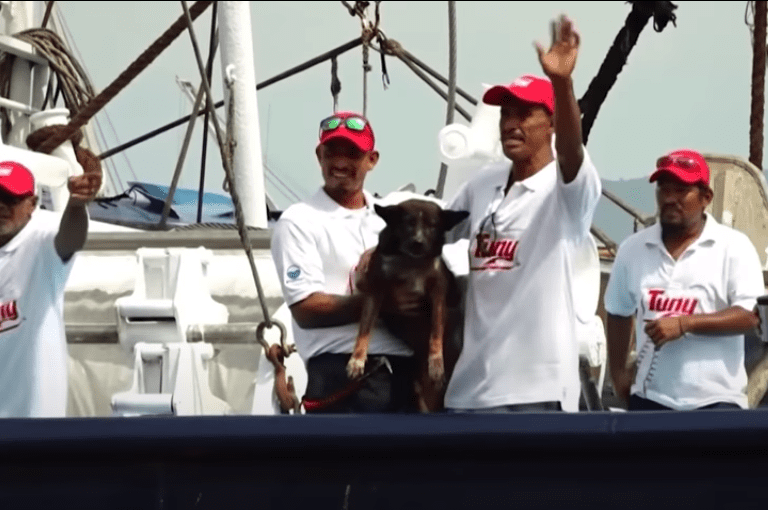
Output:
(371, 307)
(435, 360)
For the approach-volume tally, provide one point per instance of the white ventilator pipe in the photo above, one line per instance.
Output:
(236, 40)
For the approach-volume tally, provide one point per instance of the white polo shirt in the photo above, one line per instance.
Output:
(316, 246)
(33, 348)
(520, 344)
(719, 270)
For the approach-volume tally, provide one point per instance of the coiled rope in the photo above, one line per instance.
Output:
(75, 86)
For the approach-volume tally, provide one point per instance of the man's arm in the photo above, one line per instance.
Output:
(731, 321)
(558, 64)
(619, 334)
(734, 320)
(73, 229)
(320, 310)
(294, 248)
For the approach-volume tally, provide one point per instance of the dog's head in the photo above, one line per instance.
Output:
(416, 228)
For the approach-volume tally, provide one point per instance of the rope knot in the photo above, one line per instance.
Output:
(391, 47)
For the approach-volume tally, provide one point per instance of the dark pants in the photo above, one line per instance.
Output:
(534, 407)
(382, 392)
(637, 403)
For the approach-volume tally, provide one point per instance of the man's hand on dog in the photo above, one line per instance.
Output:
(403, 303)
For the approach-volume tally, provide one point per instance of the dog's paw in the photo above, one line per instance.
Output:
(436, 369)
(355, 367)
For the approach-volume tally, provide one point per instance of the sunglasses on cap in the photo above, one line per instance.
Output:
(678, 161)
(352, 123)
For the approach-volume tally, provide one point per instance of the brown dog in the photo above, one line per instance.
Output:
(408, 261)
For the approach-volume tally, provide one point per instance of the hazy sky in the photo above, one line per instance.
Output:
(686, 87)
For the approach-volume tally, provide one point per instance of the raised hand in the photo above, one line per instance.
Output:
(83, 188)
(560, 59)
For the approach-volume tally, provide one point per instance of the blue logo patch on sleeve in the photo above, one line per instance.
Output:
(293, 272)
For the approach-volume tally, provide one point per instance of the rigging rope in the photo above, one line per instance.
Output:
(227, 153)
(212, 44)
(47, 14)
(110, 168)
(266, 83)
(335, 83)
(451, 89)
(392, 47)
(625, 40)
(150, 54)
(758, 85)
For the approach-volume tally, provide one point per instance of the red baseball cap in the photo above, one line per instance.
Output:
(16, 179)
(528, 88)
(358, 132)
(687, 165)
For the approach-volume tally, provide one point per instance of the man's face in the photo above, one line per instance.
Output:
(525, 129)
(680, 205)
(344, 166)
(14, 213)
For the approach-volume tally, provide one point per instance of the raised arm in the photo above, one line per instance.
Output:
(73, 229)
(558, 63)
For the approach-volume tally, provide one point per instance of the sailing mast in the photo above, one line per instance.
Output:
(240, 85)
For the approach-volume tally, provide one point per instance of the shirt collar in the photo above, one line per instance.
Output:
(707, 236)
(325, 203)
(540, 179)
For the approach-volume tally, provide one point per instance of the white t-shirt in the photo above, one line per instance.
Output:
(316, 246)
(33, 347)
(520, 344)
(719, 270)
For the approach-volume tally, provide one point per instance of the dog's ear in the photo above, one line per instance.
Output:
(390, 213)
(453, 218)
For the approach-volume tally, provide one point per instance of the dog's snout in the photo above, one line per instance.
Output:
(417, 247)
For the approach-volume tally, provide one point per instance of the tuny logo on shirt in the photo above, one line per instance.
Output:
(293, 272)
(667, 306)
(9, 315)
(493, 254)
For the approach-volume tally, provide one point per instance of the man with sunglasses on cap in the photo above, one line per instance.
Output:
(316, 246)
(689, 284)
(36, 258)
(520, 349)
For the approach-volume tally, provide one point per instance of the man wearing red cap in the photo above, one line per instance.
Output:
(526, 220)
(316, 246)
(690, 284)
(36, 257)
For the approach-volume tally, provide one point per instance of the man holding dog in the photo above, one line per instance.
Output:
(316, 246)
(691, 284)
(520, 350)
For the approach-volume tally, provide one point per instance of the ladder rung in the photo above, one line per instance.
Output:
(21, 49)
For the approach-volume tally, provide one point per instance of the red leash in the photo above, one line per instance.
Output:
(314, 404)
